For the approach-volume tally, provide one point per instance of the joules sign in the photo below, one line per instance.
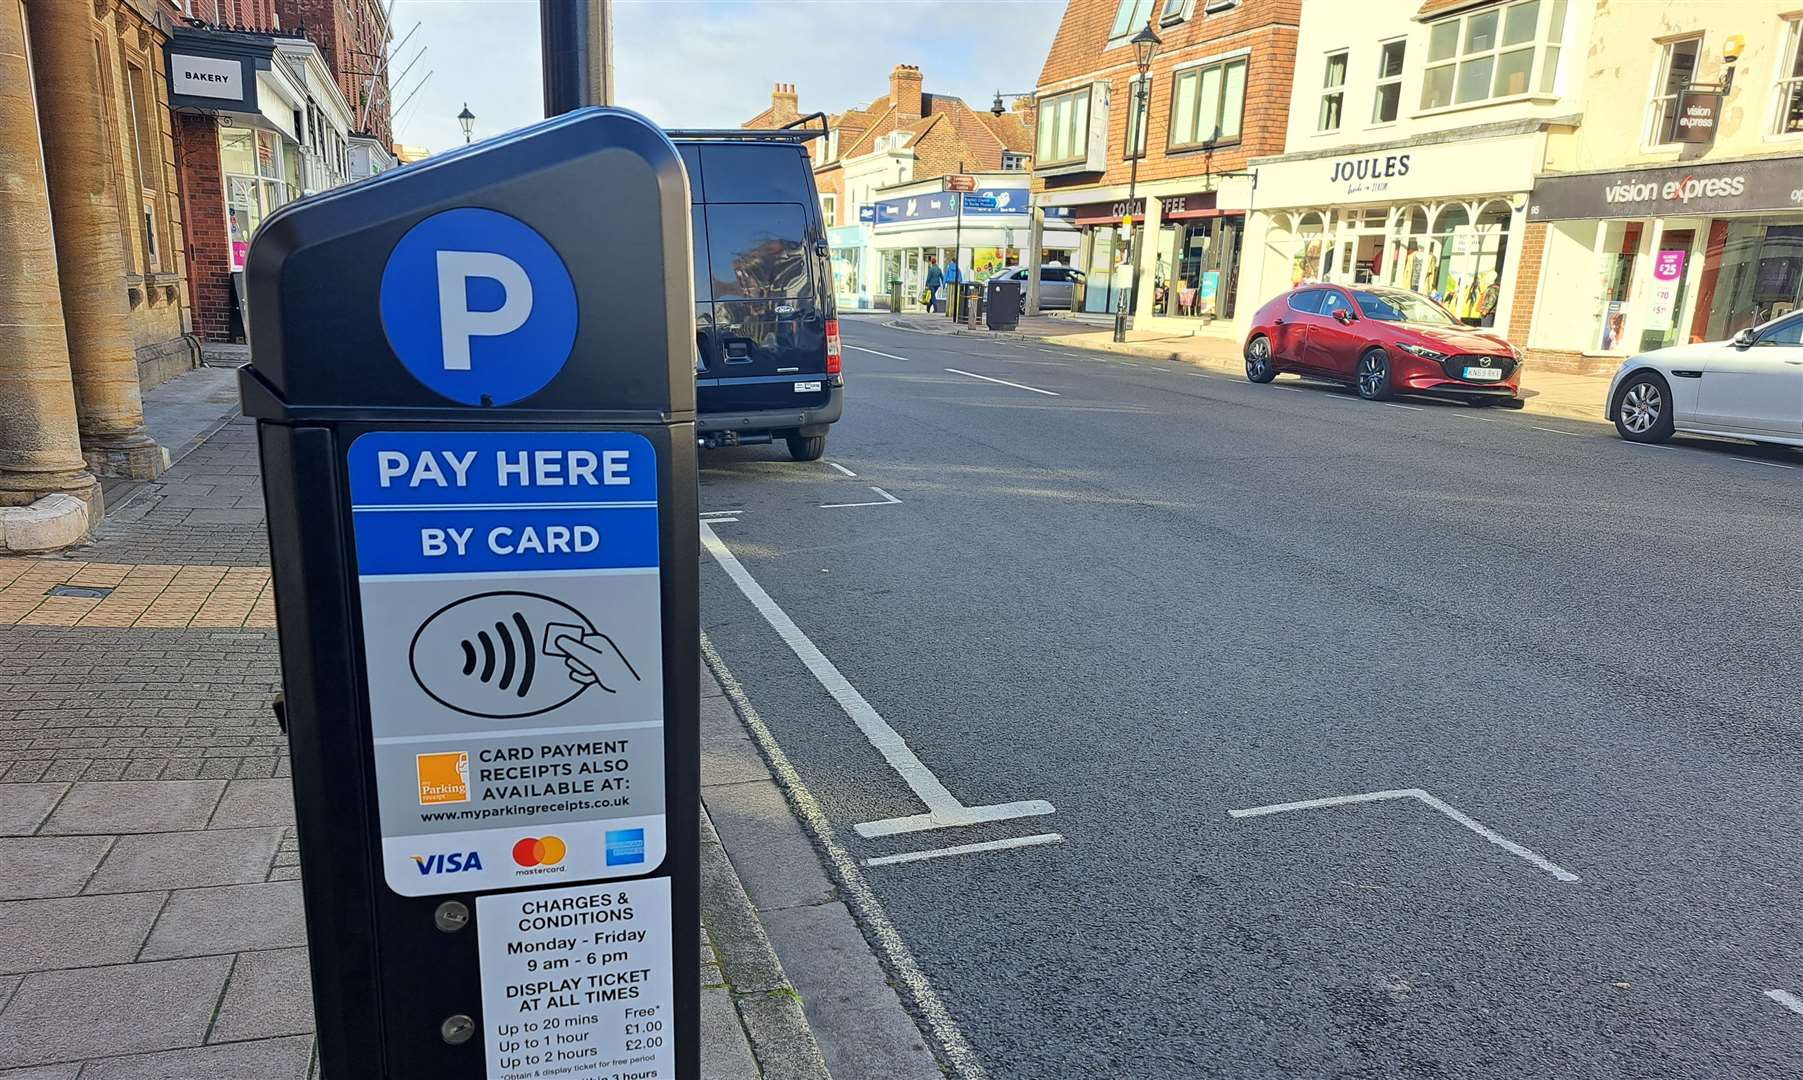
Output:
(1372, 173)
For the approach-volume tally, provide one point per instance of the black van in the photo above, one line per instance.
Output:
(766, 330)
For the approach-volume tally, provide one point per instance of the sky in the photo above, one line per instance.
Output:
(711, 63)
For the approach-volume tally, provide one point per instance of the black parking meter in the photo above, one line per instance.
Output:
(475, 410)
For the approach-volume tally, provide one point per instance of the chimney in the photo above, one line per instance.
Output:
(785, 103)
(904, 91)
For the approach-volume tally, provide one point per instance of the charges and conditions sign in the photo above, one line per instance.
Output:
(509, 585)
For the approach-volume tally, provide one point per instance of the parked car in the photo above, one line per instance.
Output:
(1057, 285)
(1749, 387)
(767, 361)
(1381, 342)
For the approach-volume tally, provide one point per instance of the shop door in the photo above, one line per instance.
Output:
(1665, 301)
(1098, 296)
(1618, 281)
(1224, 259)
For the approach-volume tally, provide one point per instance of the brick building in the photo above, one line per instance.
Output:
(907, 136)
(1217, 95)
(92, 304)
(352, 36)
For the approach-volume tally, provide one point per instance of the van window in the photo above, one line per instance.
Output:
(698, 263)
(757, 252)
(691, 163)
(756, 174)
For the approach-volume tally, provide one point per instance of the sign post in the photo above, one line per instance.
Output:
(478, 448)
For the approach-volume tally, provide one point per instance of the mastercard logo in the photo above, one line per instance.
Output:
(538, 851)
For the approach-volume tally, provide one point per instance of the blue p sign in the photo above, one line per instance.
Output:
(478, 306)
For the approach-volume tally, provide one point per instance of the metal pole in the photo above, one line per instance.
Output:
(1120, 307)
(576, 40)
(957, 306)
(1035, 256)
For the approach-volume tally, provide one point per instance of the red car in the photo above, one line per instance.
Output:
(1381, 341)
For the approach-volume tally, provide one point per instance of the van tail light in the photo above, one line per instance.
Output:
(832, 346)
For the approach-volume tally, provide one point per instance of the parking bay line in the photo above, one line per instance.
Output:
(944, 810)
(1756, 461)
(1421, 796)
(843, 469)
(1786, 999)
(887, 500)
(966, 849)
(873, 352)
(1004, 382)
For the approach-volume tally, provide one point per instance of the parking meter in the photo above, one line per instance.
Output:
(475, 412)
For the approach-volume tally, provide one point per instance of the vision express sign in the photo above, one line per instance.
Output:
(1715, 188)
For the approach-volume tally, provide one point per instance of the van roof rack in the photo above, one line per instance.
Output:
(789, 132)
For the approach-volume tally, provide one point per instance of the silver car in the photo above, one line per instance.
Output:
(1057, 284)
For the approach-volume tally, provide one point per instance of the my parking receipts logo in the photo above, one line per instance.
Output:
(443, 778)
(539, 853)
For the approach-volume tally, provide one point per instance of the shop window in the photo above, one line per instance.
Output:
(1139, 107)
(1677, 70)
(1492, 54)
(1388, 102)
(1208, 104)
(1789, 91)
(1333, 93)
(1128, 18)
(1064, 128)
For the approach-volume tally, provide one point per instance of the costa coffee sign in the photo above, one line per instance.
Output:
(1716, 188)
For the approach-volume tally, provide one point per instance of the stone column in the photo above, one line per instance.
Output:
(40, 448)
(90, 252)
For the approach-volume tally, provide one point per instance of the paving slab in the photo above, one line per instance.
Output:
(255, 802)
(23, 807)
(229, 919)
(136, 806)
(270, 994)
(725, 1055)
(58, 1016)
(785, 1048)
(774, 858)
(185, 860)
(264, 1059)
(40, 866)
(76, 931)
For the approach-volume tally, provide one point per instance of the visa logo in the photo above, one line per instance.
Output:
(451, 863)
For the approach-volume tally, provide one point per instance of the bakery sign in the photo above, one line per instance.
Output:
(1715, 188)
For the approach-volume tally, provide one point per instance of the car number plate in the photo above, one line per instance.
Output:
(1483, 373)
(808, 387)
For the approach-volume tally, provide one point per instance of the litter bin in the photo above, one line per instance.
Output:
(895, 295)
(972, 308)
(1002, 299)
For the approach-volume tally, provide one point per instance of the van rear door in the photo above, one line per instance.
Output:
(764, 346)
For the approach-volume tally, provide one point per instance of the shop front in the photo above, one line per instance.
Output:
(847, 244)
(1192, 266)
(1442, 218)
(1666, 254)
(917, 223)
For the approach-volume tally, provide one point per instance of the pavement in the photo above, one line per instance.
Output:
(1161, 725)
(151, 922)
(1545, 393)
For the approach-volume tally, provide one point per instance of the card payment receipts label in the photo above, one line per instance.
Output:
(511, 629)
(577, 983)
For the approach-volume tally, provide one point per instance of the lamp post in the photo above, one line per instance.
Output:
(468, 120)
(1145, 46)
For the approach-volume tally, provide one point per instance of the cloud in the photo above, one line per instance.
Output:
(711, 63)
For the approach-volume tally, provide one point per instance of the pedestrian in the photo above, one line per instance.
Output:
(935, 278)
(951, 282)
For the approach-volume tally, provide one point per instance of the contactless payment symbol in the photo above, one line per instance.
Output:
(493, 655)
(478, 306)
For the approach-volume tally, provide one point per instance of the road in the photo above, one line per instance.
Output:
(1150, 597)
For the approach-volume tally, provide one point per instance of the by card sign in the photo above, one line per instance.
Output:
(217, 77)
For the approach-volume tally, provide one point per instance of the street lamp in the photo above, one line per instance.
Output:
(1145, 46)
(997, 107)
(468, 120)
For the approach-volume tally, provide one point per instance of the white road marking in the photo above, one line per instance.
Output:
(966, 849)
(1199, 375)
(720, 513)
(857, 891)
(1421, 796)
(1756, 461)
(873, 352)
(1786, 999)
(1293, 389)
(887, 500)
(1003, 382)
(843, 469)
(1558, 430)
(943, 808)
(1394, 405)
(1468, 416)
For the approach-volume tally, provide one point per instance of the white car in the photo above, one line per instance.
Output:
(1750, 387)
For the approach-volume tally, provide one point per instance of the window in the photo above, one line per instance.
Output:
(1332, 302)
(1064, 128)
(1207, 104)
(1128, 18)
(1492, 53)
(1790, 80)
(1308, 301)
(1333, 93)
(144, 133)
(1789, 334)
(829, 209)
(1175, 11)
(1012, 162)
(1138, 108)
(757, 251)
(1388, 103)
(1677, 70)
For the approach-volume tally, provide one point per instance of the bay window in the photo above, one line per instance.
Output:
(1063, 128)
(1493, 54)
(1207, 104)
